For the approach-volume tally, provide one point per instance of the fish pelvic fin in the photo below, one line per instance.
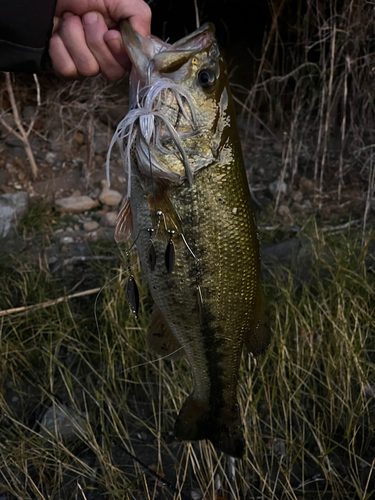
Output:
(258, 336)
(222, 426)
(160, 338)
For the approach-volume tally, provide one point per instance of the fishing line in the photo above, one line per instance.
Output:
(159, 359)
(153, 473)
(98, 328)
(96, 300)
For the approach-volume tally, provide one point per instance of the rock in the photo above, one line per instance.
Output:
(101, 139)
(12, 208)
(109, 219)
(66, 240)
(13, 142)
(29, 112)
(306, 186)
(284, 213)
(297, 196)
(55, 136)
(110, 197)
(62, 422)
(18, 152)
(306, 206)
(51, 157)
(91, 225)
(79, 138)
(76, 204)
(277, 186)
(8, 118)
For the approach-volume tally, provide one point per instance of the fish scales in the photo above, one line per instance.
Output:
(210, 303)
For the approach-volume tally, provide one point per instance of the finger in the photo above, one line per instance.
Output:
(73, 36)
(115, 44)
(138, 13)
(95, 28)
(61, 60)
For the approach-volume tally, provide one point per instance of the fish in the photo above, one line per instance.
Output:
(188, 209)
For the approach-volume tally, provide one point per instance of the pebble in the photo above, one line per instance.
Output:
(109, 219)
(12, 208)
(79, 138)
(60, 421)
(284, 212)
(13, 142)
(50, 157)
(306, 205)
(277, 186)
(66, 240)
(76, 204)
(29, 112)
(306, 186)
(110, 197)
(297, 196)
(91, 225)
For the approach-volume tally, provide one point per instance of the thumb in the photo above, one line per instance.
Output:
(138, 13)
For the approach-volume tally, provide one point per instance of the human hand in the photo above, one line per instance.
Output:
(86, 41)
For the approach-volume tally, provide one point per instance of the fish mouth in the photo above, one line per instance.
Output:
(161, 111)
(153, 55)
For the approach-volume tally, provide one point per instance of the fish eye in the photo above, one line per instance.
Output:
(206, 78)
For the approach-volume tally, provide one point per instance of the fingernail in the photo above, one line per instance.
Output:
(90, 18)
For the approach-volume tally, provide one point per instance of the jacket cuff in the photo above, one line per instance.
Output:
(19, 58)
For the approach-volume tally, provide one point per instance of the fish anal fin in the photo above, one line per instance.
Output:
(124, 223)
(258, 336)
(222, 426)
(160, 338)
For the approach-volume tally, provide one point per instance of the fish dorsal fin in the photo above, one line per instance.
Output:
(258, 337)
(160, 338)
(124, 223)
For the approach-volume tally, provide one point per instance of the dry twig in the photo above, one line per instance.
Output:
(22, 134)
(49, 303)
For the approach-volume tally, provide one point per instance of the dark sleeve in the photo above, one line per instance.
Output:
(25, 30)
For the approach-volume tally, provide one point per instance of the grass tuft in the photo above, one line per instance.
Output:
(307, 404)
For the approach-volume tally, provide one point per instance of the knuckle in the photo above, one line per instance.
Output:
(89, 69)
(114, 74)
(147, 13)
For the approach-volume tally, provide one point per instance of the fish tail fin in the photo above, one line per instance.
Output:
(222, 426)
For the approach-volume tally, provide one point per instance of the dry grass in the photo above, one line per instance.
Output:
(307, 404)
(314, 82)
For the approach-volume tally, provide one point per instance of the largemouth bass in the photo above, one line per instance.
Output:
(189, 210)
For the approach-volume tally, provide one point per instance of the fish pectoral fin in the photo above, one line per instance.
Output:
(124, 223)
(258, 336)
(161, 339)
(222, 426)
(161, 200)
